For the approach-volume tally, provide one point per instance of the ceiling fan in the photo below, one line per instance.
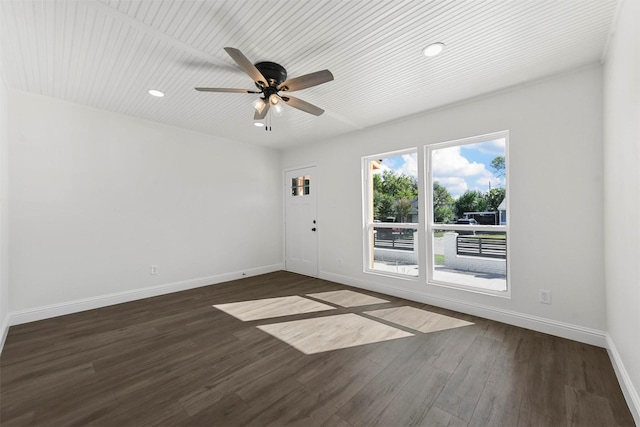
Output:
(271, 79)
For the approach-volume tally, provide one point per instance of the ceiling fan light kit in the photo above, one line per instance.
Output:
(277, 110)
(270, 79)
(259, 104)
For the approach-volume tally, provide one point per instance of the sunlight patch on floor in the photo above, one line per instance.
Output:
(347, 298)
(272, 307)
(417, 319)
(332, 332)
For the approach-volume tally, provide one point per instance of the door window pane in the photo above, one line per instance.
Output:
(300, 186)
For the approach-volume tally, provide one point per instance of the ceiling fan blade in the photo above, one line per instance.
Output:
(223, 89)
(246, 65)
(259, 115)
(302, 105)
(306, 81)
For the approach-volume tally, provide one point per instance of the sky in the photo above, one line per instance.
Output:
(458, 168)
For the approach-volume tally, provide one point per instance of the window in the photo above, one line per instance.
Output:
(391, 213)
(300, 186)
(467, 222)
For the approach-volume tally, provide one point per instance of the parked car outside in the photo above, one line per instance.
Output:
(466, 221)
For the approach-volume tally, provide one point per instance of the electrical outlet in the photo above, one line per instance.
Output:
(154, 269)
(544, 296)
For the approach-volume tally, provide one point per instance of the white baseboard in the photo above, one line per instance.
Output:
(540, 324)
(628, 390)
(61, 309)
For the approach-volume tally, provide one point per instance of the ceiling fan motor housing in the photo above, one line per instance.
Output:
(274, 73)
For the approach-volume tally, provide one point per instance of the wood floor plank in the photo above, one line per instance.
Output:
(79, 406)
(590, 370)
(437, 417)
(292, 409)
(462, 392)
(584, 407)
(499, 403)
(45, 388)
(227, 411)
(267, 389)
(176, 360)
(385, 353)
(412, 403)
(25, 419)
(543, 401)
(367, 405)
(336, 421)
(201, 399)
(451, 353)
(328, 397)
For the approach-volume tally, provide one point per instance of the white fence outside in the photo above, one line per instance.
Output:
(470, 263)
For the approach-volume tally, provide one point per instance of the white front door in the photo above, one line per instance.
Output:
(301, 228)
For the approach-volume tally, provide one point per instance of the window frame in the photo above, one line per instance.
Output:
(429, 224)
(368, 223)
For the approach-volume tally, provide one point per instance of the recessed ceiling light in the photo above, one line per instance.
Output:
(433, 49)
(259, 124)
(157, 93)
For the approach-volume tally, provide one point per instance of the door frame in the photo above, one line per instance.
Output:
(285, 190)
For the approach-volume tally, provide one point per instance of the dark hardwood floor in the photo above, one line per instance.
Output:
(175, 360)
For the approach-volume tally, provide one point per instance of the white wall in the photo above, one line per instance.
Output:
(97, 198)
(556, 197)
(622, 198)
(4, 221)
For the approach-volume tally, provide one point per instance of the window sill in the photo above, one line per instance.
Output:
(392, 275)
(476, 290)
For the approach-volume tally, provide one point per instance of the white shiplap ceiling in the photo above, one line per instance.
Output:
(107, 53)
